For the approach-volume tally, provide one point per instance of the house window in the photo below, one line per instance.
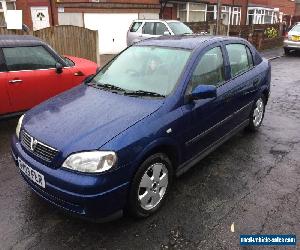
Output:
(10, 6)
(236, 16)
(182, 10)
(232, 14)
(258, 15)
(192, 12)
(211, 12)
(197, 12)
(226, 11)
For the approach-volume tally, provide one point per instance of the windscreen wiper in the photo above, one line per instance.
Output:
(143, 93)
(107, 86)
(110, 86)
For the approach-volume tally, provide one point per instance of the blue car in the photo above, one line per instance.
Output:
(116, 142)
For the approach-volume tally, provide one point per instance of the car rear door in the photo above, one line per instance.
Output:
(245, 79)
(148, 30)
(32, 76)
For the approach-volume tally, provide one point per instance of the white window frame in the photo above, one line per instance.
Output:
(233, 11)
(260, 13)
(236, 11)
(4, 5)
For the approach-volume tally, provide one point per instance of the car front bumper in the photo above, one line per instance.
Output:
(82, 201)
(291, 45)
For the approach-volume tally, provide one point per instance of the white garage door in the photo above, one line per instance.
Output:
(112, 30)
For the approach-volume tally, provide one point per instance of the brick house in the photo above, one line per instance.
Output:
(112, 18)
(233, 11)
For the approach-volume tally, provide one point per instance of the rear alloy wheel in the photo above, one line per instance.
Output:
(257, 115)
(150, 185)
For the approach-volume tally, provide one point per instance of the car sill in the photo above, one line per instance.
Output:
(190, 163)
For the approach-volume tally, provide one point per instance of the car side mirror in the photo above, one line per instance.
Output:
(204, 92)
(59, 68)
(167, 33)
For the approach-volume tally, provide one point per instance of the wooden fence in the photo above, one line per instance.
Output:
(67, 40)
(252, 33)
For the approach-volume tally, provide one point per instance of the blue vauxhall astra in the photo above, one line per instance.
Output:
(115, 142)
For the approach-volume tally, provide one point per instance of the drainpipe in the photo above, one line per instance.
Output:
(52, 13)
(229, 20)
(218, 17)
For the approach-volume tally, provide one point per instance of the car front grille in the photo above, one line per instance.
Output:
(38, 148)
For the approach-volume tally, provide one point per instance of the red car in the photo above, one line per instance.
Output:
(32, 72)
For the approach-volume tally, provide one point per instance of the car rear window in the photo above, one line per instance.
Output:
(135, 26)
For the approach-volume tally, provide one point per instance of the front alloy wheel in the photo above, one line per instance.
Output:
(150, 185)
(153, 186)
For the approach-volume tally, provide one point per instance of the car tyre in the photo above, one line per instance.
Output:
(257, 114)
(286, 51)
(150, 186)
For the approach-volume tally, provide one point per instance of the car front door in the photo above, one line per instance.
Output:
(5, 106)
(32, 77)
(208, 120)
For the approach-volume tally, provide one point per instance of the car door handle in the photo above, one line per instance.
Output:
(15, 81)
(256, 82)
(79, 73)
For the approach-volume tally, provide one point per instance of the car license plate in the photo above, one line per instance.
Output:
(32, 174)
(296, 38)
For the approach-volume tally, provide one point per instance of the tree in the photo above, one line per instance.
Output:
(163, 4)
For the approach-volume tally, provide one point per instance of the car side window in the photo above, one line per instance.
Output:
(210, 69)
(148, 28)
(135, 26)
(160, 28)
(238, 58)
(28, 58)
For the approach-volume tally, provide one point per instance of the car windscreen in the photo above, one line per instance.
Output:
(142, 69)
(179, 28)
(296, 28)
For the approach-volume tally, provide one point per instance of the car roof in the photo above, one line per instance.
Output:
(190, 42)
(19, 40)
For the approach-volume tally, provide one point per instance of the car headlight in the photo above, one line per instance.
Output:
(91, 162)
(18, 128)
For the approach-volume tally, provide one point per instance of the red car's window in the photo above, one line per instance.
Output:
(28, 58)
